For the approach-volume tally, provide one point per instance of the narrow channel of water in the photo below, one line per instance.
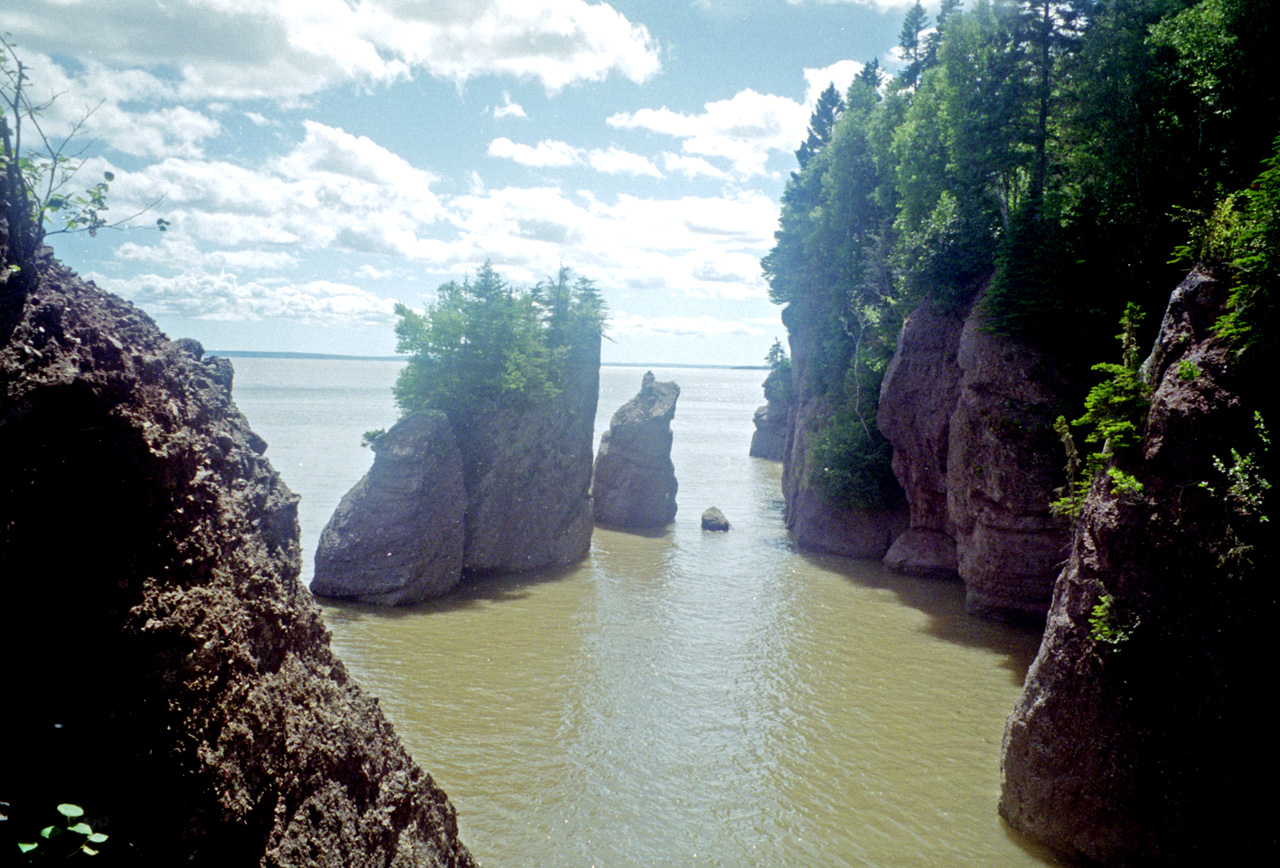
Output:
(681, 698)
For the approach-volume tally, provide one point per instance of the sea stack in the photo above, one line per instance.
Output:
(635, 481)
(397, 536)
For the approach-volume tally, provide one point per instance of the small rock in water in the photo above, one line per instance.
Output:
(713, 519)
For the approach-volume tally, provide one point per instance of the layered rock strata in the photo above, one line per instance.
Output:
(172, 674)
(397, 536)
(970, 416)
(635, 482)
(1140, 737)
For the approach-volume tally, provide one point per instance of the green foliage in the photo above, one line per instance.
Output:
(1115, 410)
(1106, 626)
(368, 438)
(1247, 483)
(777, 385)
(852, 465)
(69, 836)
(483, 342)
(1188, 370)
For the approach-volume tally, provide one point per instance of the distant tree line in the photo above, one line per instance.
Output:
(1073, 155)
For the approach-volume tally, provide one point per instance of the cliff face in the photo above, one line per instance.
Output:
(814, 521)
(970, 416)
(528, 476)
(171, 672)
(1141, 738)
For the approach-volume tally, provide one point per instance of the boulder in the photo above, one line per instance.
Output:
(635, 481)
(713, 519)
(1143, 735)
(174, 675)
(397, 536)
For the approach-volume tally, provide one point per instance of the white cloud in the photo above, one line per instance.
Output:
(508, 109)
(223, 297)
(635, 325)
(841, 74)
(691, 167)
(744, 129)
(616, 161)
(368, 272)
(229, 49)
(545, 154)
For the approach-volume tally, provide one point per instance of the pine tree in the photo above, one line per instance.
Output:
(821, 123)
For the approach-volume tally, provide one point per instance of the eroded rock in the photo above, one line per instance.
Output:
(1141, 736)
(173, 673)
(714, 520)
(397, 536)
(635, 481)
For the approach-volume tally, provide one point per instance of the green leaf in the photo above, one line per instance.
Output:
(70, 811)
(97, 838)
(27, 848)
(87, 850)
(110, 176)
(81, 829)
(49, 831)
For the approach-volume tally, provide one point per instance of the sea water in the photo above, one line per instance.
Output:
(681, 697)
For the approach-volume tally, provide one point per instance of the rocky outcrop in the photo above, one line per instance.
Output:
(171, 673)
(635, 481)
(1143, 735)
(397, 537)
(970, 416)
(713, 519)
(500, 488)
(816, 523)
(917, 398)
(528, 476)
(769, 440)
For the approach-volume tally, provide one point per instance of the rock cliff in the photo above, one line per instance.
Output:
(970, 416)
(397, 537)
(769, 440)
(635, 481)
(814, 521)
(171, 672)
(1141, 736)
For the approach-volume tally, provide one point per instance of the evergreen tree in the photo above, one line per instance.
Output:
(821, 123)
(911, 44)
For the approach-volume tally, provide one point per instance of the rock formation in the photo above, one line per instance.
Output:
(815, 522)
(1143, 735)
(499, 489)
(970, 416)
(397, 536)
(770, 438)
(171, 672)
(713, 519)
(635, 481)
(528, 476)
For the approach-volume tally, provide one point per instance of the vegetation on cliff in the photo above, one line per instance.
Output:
(1057, 152)
(484, 341)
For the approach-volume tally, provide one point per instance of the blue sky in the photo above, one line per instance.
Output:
(320, 160)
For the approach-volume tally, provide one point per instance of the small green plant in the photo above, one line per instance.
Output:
(1114, 412)
(69, 837)
(1188, 370)
(368, 438)
(1106, 627)
(1247, 486)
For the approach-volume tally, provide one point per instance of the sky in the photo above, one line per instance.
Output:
(320, 160)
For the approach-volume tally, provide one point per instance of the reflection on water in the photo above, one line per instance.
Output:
(684, 697)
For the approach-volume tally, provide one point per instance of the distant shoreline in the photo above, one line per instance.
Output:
(263, 354)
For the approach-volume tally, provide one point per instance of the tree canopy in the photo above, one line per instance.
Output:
(1059, 151)
(485, 342)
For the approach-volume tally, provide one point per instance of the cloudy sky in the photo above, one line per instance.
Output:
(319, 160)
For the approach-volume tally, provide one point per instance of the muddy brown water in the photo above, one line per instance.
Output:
(681, 697)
